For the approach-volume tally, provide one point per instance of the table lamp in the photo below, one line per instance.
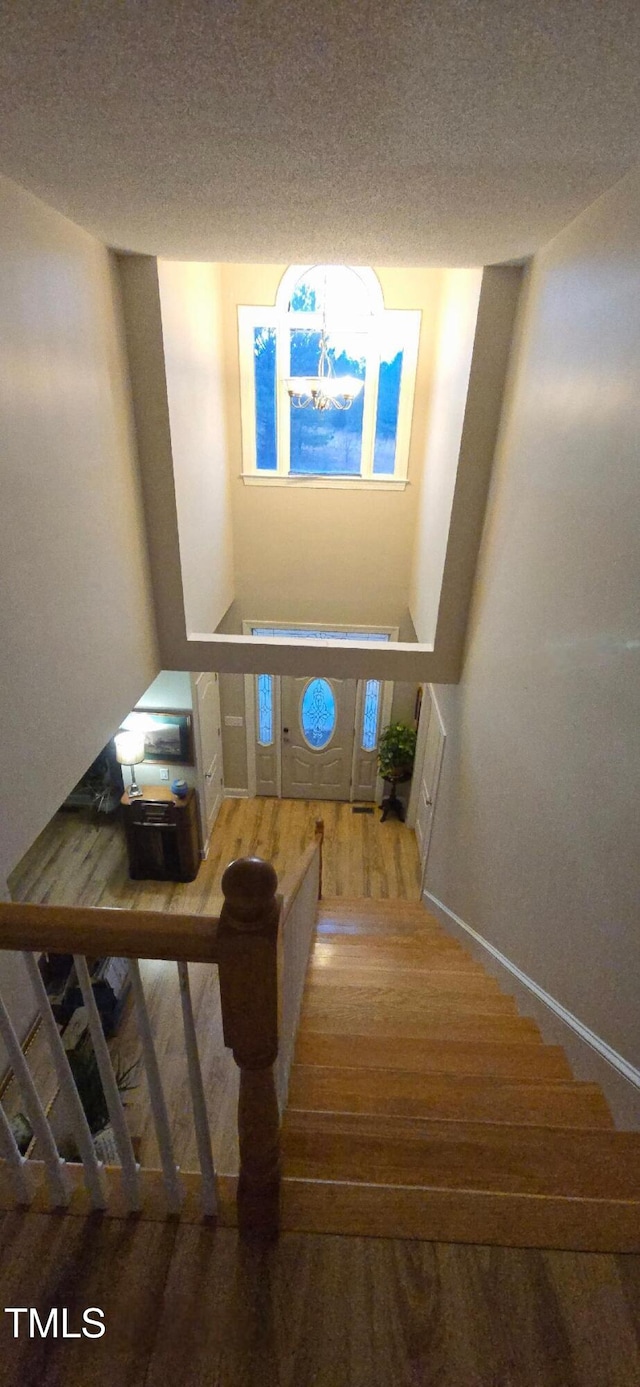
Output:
(130, 752)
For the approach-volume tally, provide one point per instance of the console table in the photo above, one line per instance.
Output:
(162, 835)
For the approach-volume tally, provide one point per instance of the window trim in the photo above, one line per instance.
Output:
(408, 325)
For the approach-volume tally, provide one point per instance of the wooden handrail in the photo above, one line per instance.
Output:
(244, 944)
(291, 884)
(101, 930)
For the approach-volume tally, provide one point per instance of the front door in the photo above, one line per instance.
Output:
(318, 720)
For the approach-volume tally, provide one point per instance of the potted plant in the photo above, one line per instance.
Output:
(86, 1075)
(396, 754)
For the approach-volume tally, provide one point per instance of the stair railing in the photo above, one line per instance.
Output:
(260, 944)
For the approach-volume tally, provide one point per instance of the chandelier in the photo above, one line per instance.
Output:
(324, 390)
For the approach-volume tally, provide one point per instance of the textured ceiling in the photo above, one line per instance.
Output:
(381, 131)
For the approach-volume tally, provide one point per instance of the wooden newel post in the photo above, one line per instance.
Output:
(247, 959)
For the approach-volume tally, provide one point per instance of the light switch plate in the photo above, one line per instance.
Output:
(164, 774)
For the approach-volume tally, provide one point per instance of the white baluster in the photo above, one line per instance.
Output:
(70, 1095)
(56, 1173)
(112, 1096)
(200, 1118)
(16, 1163)
(158, 1106)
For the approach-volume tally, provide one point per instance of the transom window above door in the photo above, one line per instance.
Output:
(327, 381)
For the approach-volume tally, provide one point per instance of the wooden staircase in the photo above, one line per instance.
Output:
(421, 1104)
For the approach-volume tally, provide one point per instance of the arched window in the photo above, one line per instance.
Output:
(327, 381)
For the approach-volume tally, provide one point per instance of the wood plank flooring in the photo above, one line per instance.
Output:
(188, 1305)
(81, 860)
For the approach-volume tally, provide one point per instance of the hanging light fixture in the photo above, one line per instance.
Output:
(324, 390)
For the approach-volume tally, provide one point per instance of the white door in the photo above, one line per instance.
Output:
(318, 720)
(207, 707)
(429, 777)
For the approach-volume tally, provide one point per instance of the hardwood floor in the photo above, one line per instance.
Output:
(79, 860)
(188, 1305)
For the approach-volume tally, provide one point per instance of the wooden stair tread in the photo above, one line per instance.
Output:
(443, 1026)
(392, 953)
(398, 1011)
(446, 1055)
(403, 942)
(372, 969)
(427, 982)
(357, 929)
(501, 1219)
(467, 1097)
(347, 905)
(376, 938)
(463, 1155)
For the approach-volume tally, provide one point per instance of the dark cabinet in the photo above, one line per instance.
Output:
(162, 835)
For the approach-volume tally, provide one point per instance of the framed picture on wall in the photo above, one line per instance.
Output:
(168, 737)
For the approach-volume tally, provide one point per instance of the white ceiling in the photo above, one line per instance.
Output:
(371, 131)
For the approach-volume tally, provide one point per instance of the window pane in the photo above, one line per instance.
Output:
(384, 448)
(370, 715)
(300, 632)
(264, 359)
(336, 290)
(318, 713)
(327, 441)
(265, 709)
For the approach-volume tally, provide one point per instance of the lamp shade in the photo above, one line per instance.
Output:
(129, 748)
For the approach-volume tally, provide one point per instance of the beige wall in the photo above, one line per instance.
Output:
(78, 645)
(194, 369)
(143, 324)
(459, 533)
(535, 842)
(78, 641)
(348, 551)
(456, 335)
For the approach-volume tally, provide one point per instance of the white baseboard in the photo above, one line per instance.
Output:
(590, 1057)
(239, 793)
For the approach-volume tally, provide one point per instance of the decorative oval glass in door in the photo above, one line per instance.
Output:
(318, 713)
